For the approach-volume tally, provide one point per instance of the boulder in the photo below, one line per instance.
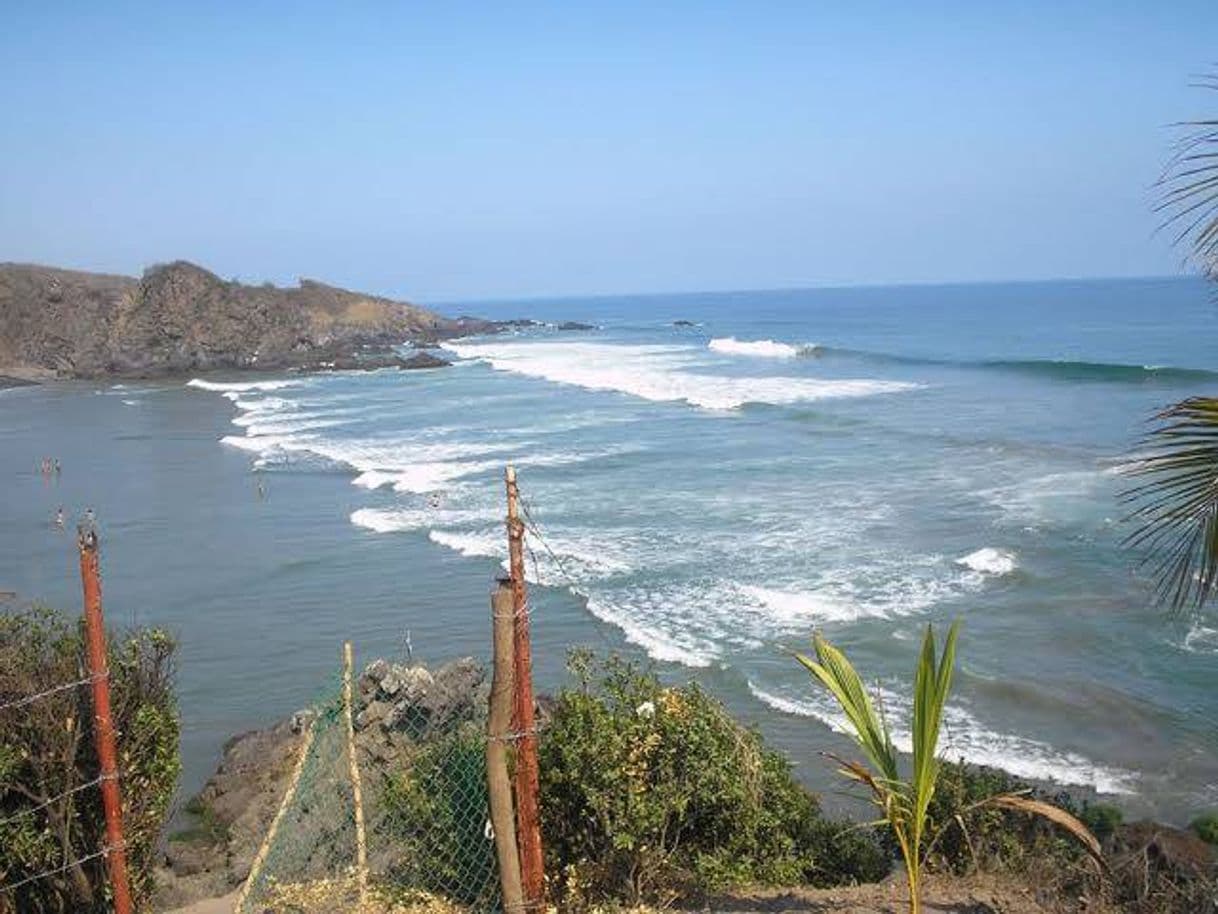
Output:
(575, 325)
(422, 360)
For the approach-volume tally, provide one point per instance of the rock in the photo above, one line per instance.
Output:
(373, 673)
(456, 685)
(422, 360)
(575, 325)
(301, 719)
(374, 712)
(406, 683)
(683, 323)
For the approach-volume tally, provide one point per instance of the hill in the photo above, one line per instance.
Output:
(179, 317)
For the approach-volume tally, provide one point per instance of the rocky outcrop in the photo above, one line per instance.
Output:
(397, 708)
(181, 318)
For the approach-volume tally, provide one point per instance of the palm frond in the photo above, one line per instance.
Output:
(869, 729)
(1175, 502)
(1054, 814)
(1188, 190)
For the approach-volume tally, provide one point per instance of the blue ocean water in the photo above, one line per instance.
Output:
(854, 461)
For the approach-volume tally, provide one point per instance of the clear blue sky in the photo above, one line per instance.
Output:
(457, 151)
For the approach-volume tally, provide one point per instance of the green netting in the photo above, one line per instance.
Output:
(315, 838)
(420, 737)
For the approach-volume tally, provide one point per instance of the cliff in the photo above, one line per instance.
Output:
(181, 318)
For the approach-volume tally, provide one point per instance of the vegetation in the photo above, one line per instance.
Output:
(47, 753)
(905, 804)
(1205, 827)
(435, 810)
(1176, 497)
(652, 794)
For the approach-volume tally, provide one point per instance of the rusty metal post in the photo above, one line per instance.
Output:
(498, 732)
(528, 815)
(95, 634)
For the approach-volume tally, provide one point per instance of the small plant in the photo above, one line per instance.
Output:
(904, 803)
(1205, 827)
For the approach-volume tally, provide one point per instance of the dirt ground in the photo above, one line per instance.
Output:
(974, 895)
(210, 906)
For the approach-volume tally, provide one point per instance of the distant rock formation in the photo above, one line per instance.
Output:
(181, 318)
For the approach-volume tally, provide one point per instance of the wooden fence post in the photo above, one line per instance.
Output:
(99, 672)
(361, 843)
(498, 726)
(528, 815)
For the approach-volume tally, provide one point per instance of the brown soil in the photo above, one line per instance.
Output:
(971, 895)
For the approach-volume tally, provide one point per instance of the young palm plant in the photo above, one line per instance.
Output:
(904, 802)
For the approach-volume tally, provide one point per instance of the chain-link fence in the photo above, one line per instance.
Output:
(419, 733)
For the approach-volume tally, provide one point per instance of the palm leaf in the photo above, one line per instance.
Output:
(1175, 502)
(869, 729)
(1188, 190)
(1054, 814)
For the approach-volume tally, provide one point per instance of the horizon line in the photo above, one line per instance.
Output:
(921, 283)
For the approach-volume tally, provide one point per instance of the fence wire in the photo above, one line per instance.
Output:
(420, 737)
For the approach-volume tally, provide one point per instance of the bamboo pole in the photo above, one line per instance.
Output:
(498, 726)
(361, 843)
(528, 815)
(95, 635)
(288, 795)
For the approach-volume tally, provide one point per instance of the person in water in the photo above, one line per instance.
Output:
(59, 518)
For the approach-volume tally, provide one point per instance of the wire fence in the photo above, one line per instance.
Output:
(419, 733)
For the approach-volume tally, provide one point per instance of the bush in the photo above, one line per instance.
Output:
(1102, 818)
(47, 750)
(966, 837)
(1205, 827)
(651, 794)
(436, 810)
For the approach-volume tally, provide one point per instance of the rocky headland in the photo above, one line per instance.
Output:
(179, 318)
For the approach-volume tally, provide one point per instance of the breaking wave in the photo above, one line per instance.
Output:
(967, 737)
(659, 373)
(991, 561)
(729, 345)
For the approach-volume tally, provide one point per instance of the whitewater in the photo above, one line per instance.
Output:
(708, 497)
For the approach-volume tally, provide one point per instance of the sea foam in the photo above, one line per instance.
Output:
(659, 373)
(967, 737)
(729, 345)
(989, 560)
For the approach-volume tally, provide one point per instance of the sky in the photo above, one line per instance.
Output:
(452, 152)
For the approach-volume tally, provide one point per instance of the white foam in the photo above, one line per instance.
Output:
(669, 646)
(241, 386)
(964, 736)
(787, 607)
(1201, 639)
(659, 373)
(484, 544)
(769, 349)
(991, 561)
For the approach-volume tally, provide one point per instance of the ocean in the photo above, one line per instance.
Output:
(704, 495)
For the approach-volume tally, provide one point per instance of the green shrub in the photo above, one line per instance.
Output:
(1205, 827)
(968, 836)
(651, 793)
(436, 810)
(47, 750)
(1102, 818)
